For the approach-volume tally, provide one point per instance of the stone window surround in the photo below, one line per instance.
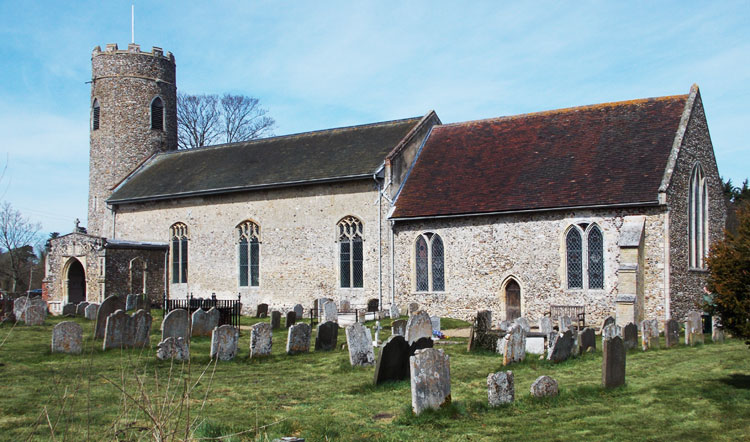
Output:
(249, 229)
(360, 234)
(697, 196)
(428, 240)
(163, 114)
(584, 257)
(96, 115)
(178, 230)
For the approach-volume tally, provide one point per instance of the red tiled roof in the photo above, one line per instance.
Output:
(605, 154)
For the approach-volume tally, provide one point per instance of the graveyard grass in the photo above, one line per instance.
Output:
(687, 393)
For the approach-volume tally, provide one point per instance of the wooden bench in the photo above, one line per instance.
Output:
(575, 312)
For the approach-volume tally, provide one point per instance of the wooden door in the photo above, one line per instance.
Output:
(512, 300)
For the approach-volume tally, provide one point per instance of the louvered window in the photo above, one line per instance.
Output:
(351, 253)
(95, 115)
(157, 114)
(179, 233)
(249, 254)
(429, 263)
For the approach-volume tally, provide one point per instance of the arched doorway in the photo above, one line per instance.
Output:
(76, 282)
(512, 300)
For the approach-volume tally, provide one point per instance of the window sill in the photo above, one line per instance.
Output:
(697, 270)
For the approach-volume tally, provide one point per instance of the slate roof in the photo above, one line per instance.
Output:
(605, 154)
(328, 155)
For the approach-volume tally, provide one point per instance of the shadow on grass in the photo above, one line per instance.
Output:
(737, 380)
(440, 418)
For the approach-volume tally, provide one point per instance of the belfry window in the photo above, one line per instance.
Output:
(249, 254)
(179, 249)
(429, 263)
(697, 219)
(157, 114)
(584, 257)
(95, 115)
(351, 253)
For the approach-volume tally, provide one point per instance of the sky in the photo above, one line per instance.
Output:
(317, 65)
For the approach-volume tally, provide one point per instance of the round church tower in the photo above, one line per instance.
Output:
(133, 115)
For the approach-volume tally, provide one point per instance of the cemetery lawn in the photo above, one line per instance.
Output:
(687, 393)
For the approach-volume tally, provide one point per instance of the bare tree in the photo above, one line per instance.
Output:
(18, 235)
(208, 119)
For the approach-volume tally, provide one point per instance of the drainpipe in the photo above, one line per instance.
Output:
(166, 278)
(667, 269)
(114, 218)
(393, 268)
(380, 237)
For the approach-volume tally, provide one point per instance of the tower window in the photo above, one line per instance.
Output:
(157, 114)
(95, 115)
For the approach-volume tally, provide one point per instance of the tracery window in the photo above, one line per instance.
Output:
(179, 236)
(157, 114)
(697, 219)
(95, 115)
(596, 258)
(249, 254)
(429, 263)
(575, 261)
(351, 253)
(584, 240)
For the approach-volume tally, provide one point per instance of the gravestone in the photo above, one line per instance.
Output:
(671, 333)
(524, 323)
(559, 349)
(587, 340)
(224, 342)
(607, 321)
(505, 325)
(35, 314)
(413, 308)
(91, 311)
(176, 324)
(330, 312)
(108, 306)
(261, 311)
(545, 325)
(345, 306)
(430, 379)
(630, 336)
(513, 345)
(420, 344)
(611, 331)
(418, 326)
(298, 312)
(395, 312)
(535, 345)
(327, 336)
(67, 337)
(649, 334)
(170, 348)
(717, 330)
(318, 306)
(564, 323)
(575, 348)
(119, 331)
(130, 302)
(142, 328)
(261, 339)
(81, 309)
(69, 310)
(373, 305)
(298, 339)
(398, 327)
(203, 322)
(393, 361)
(484, 321)
(275, 320)
(693, 328)
(613, 362)
(142, 302)
(20, 305)
(500, 388)
(291, 318)
(359, 341)
(544, 386)
(435, 323)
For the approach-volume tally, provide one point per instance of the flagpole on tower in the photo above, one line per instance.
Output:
(132, 22)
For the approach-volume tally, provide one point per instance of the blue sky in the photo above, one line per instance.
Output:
(316, 65)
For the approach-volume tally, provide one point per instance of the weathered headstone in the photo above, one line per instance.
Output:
(587, 340)
(393, 361)
(298, 311)
(275, 320)
(484, 321)
(261, 311)
(649, 334)
(693, 328)
(524, 323)
(35, 314)
(176, 348)
(291, 318)
(176, 324)
(359, 342)
(420, 344)
(418, 326)
(327, 336)
(500, 388)
(20, 305)
(69, 310)
(671, 333)
(345, 306)
(564, 323)
(203, 322)
(435, 323)
(119, 331)
(373, 305)
(91, 311)
(430, 379)
(81, 309)
(261, 339)
(394, 311)
(318, 306)
(67, 337)
(559, 350)
(413, 308)
(613, 362)
(535, 345)
(513, 345)
(611, 331)
(717, 330)
(398, 327)
(130, 302)
(142, 328)
(545, 325)
(224, 342)
(609, 320)
(330, 312)
(630, 336)
(108, 306)
(298, 338)
(505, 325)
(544, 386)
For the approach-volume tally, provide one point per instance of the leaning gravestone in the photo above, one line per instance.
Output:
(261, 340)
(176, 324)
(119, 331)
(395, 312)
(330, 312)
(393, 361)
(430, 379)
(484, 321)
(513, 345)
(69, 309)
(500, 388)
(564, 322)
(35, 314)
(524, 323)
(130, 302)
(693, 329)
(671, 333)
(91, 311)
(170, 348)
(630, 336)
(327, 336)
(142, 328)
(108, 306)
(560, 348)
(298, 339)
(545, 325)
(275, 320)
(418, 326)
(398, 327)
(609, 320)
(298, 311)
(613, 362)
(224, 342)
(81, 309)
(587, 340)
(204, 322)
(649, 334)
(67, 337)
(413, 308)
(359, 341)
(291, 318)
(261, 311)
(420, 344)
(544, 386)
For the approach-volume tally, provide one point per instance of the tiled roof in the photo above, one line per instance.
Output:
(327, 155)
(605, 154)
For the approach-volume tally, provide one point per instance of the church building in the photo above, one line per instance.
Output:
(610, 207)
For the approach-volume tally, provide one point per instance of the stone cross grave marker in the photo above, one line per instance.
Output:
(613, 362)
(418, 326)
(671, 333)
(430, 379)
(91, 311)
(261, 311)
(176, 324)
(224, 342)
(393, 361)
(359, 341)
(261, 339)
(176, 348)
(298, 338)
(275, 320)
(630, 336)
(500, 388)
(108, 306)
(67, 337)
(327, 336)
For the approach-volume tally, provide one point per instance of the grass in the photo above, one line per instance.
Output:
(693, 393)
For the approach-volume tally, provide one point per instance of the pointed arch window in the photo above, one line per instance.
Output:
(249, 254)
(596, 258)
(351, 252)
(157, 114)
(95, 115)
(179, 249)
(697, 219)
(584, 257)
(574, 246)
(429, 263)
